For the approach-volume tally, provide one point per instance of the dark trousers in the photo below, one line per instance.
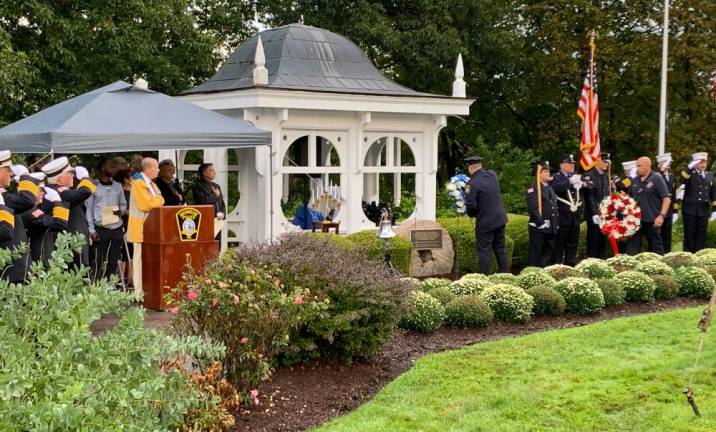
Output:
(565, 246)
(106, 252)
(487, 242)
(653, 237)
(540, 248)
(695, 228)
(666, 234)
(596, 241)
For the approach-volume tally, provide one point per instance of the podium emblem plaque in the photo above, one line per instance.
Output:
(188, 220)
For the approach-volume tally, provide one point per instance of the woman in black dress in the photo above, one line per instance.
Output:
(205, 191)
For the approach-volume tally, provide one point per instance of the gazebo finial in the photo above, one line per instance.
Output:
(458, 86)
(260, 71)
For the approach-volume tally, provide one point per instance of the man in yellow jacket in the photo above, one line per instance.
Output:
(143, 197)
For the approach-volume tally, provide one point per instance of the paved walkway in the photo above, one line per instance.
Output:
(152, 319)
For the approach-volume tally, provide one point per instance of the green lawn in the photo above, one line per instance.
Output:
(620, 375)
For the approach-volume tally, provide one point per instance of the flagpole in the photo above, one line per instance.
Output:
(664, 57)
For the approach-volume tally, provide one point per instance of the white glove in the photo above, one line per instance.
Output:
(680, 192)
(713, 215)
(52, 195)
(575, 179)
(692, 164)
(220, 216)
(595, 219)
(81, 173)
(674, 218)
(2, 199)
(632, 173)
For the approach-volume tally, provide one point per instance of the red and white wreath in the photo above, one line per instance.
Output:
(619, 216)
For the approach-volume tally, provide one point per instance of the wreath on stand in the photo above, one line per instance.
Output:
(619, 218)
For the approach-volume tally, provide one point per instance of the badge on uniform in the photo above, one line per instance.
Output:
(649, 185)
(188, 221)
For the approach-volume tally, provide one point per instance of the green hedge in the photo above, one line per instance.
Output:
(711, 235)
(462, 232)
(400, 248)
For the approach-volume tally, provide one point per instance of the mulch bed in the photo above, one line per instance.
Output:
(299, 397)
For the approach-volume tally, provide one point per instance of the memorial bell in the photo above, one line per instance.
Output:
(386, 226)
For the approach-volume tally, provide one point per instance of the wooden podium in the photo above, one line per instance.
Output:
(170, 234)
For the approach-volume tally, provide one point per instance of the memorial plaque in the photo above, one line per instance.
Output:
(426, 239)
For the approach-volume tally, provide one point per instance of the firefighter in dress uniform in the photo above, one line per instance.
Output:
(60, 177)
(20, 201)
(44, 221)
(544, 218)
(484, 202)
(664, 163)
(699, 197)
(598, 188)
(567, 185)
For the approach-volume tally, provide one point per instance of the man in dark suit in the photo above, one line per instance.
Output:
(484, 203)
(597, 188)
(699, 196)
(544, 221)
(567, 186)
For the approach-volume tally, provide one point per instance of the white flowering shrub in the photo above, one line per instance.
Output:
(582, 295)
(647, 256)
(442, 294)
(509, 303)
(533, 279)
(468, 311)
(622, 262)
(425, 313)
(547, 301)
(469, 286)
(474, 276)
(430, 283)
(707, 259)
(705, 251)
(679, 259)
(503, 278)
(561, 271)
(531, 269)
(613, 292)
(666, 286)
(694, 282)
(637, 286)
(594, 268)
(654, 268)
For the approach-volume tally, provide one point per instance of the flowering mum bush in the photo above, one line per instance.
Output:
(706, 259)
(468, 311)
(561, 271)
(637, 286)
(612, 291)
(430, 283)
(679, 259)
(361, 299)
(475, 276)
(503, 278)
(469, 286)
(248, 308)
(666, 286)
(443, 295)
(694, 282)
(654, 268)
(530, 269)
(622, 262)
(534, 278)
(647, 256)
(509, 303)
(425, 313)
(594, 268)
(582, 295)
(547, 301)
(705, 251)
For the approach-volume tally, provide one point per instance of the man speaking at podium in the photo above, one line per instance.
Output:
(143, 197)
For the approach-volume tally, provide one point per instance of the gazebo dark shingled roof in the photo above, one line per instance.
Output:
(300, 57)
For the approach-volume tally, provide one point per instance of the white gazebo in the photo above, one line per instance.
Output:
(338, 125)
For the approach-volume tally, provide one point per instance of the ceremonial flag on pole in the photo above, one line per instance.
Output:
(588, 111)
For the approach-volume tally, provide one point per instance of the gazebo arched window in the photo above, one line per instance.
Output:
(311, 167)
(389, 167)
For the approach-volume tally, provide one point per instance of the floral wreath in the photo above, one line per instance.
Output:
(457, 189)
(619, 217)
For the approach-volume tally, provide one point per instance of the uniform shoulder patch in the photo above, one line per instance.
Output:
(530, 190)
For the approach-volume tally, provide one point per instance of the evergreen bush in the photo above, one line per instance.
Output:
(637, 286)
(612, 291)
(468, 311)
(425, 313)
(462, 233)
(401, 249)
(594, 268)
(666, 286)
(582, 295)
(547, 301)
(694, 282)
(509, 303)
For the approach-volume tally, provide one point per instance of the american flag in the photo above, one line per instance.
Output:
(713, 85)
(588, 111)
